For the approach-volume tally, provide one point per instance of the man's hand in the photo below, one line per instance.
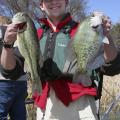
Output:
(110, 50)
(106, 22)
(107, 25)
(12, 30)
(11, 34)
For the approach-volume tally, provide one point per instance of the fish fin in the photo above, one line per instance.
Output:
(96, 62)
(105, 40)
(40, 59)
(37, 87)
(69, 52)
(16, 44)
(83, 78)
(39, 69)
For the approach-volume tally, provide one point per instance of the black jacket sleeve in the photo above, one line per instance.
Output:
(113, 67)
(18, 70)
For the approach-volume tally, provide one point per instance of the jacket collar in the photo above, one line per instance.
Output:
(67, 18)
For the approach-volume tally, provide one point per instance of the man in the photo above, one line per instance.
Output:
(61, 99)
(13, 91)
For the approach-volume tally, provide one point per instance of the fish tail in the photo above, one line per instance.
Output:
(38, 83)
(83, 78)
(37, 86)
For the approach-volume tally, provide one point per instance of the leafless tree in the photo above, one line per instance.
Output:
(78, 9)
(10, 7)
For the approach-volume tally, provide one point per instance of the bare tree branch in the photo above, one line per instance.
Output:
(10, 7)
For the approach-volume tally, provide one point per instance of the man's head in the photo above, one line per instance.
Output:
(49, 0)
(53, 8)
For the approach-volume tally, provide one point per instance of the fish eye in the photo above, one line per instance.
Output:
(95, 27)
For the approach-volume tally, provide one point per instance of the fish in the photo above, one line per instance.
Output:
(28, 45)
(87, 48)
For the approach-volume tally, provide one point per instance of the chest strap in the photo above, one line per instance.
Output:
(50, 45)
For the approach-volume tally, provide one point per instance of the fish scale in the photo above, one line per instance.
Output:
(28, 45)
(86, 44)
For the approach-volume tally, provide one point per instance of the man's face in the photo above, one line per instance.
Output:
(54, 8)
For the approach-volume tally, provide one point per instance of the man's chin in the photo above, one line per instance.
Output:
(56, 15)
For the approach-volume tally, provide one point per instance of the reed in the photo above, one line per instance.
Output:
(111, 88)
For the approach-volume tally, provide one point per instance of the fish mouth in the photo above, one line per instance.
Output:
(21, 27)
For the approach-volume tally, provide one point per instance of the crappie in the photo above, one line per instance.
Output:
(87, 43)
(87, 46)
(27, 42)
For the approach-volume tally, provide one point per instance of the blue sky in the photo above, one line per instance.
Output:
(110, 7)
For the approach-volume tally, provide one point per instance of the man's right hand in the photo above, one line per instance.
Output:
(11, 33)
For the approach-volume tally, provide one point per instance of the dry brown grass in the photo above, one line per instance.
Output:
(111, 88)
(30, 108)
(4, 20)
(31, 112)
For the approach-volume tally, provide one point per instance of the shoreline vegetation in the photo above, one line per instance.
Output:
(111, 88)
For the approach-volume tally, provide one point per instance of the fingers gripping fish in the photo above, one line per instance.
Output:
(4, 21)
(28, 46)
